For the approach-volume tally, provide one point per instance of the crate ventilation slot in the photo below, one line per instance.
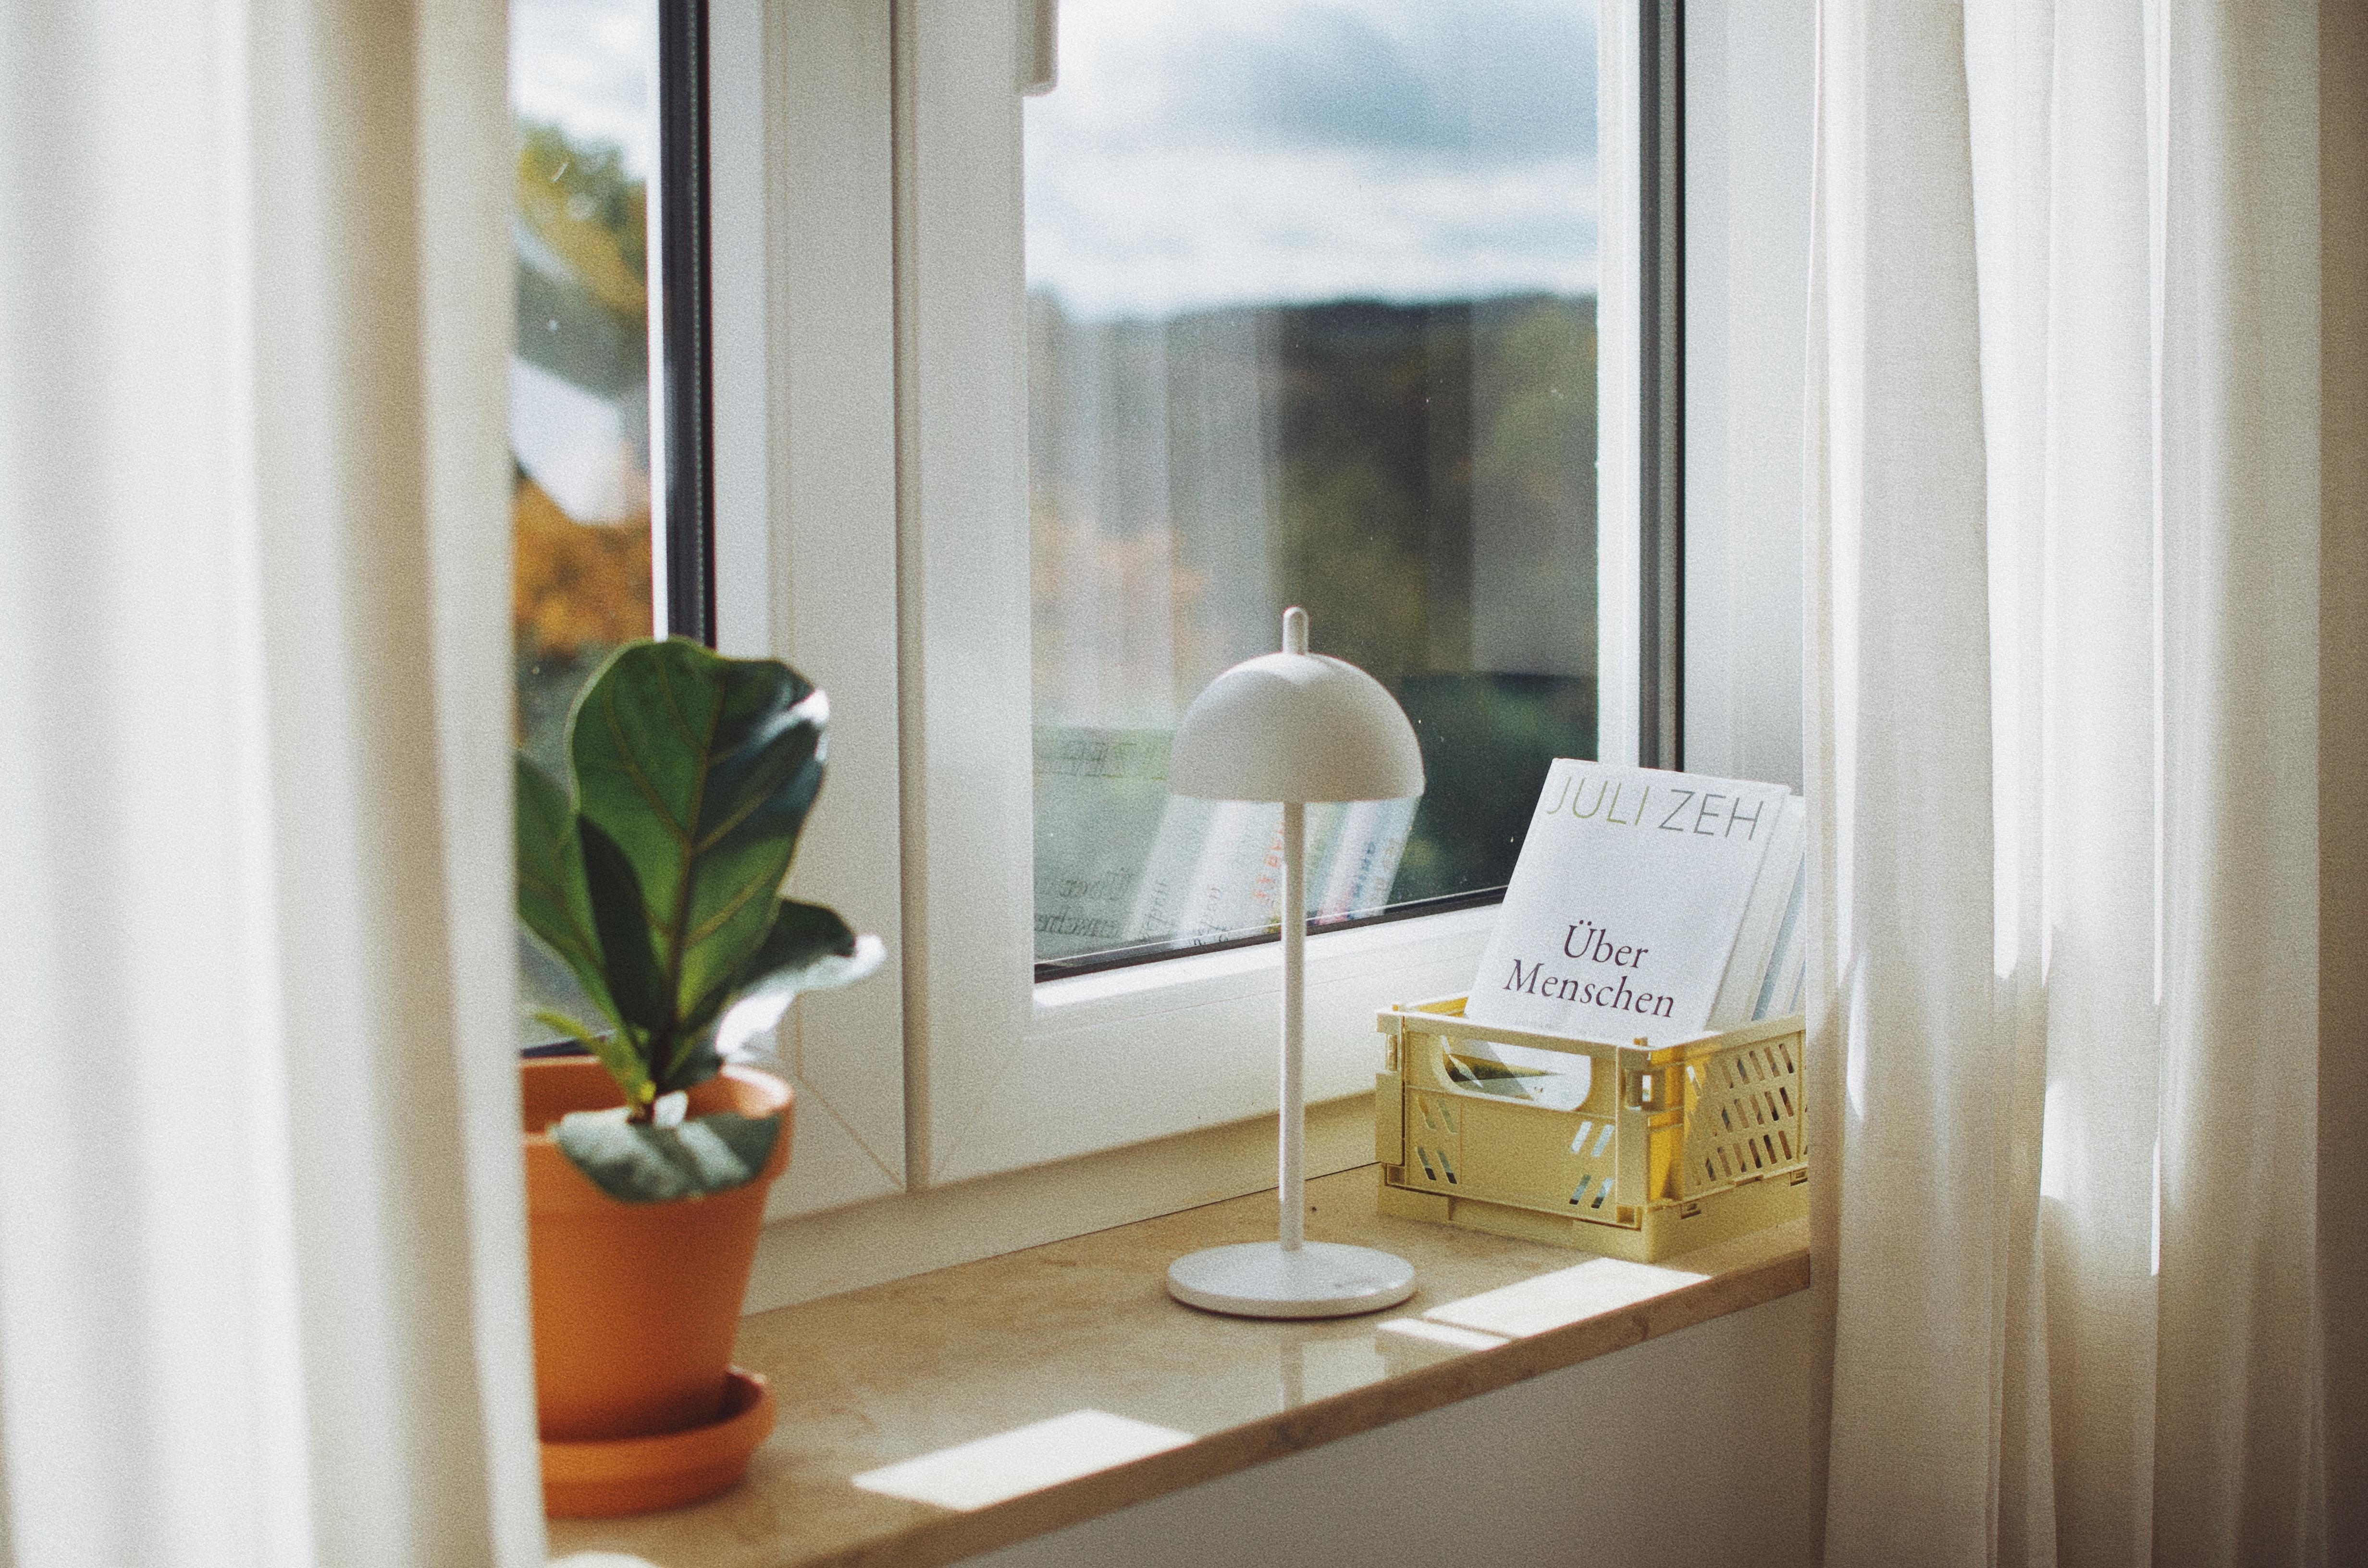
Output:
(1747, 1069)
(1602, 1132)
(1729, 1162)
(1578, 1194)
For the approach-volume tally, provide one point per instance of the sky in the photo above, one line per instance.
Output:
(1207, 152)
(1236, 152)
(590, 66)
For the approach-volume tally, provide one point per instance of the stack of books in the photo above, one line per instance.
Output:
(1645, 906)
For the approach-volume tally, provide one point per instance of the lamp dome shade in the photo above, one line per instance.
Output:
(1295, 726)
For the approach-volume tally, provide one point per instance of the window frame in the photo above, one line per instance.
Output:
(804, 521)
(878, 150)
(682, 558)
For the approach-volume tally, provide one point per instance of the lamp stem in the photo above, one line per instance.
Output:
(1292, 1155)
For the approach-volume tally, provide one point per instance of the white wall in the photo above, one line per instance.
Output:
(1750, 86)
(1691, 1450)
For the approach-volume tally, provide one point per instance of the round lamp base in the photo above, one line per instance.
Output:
(1322, 1280)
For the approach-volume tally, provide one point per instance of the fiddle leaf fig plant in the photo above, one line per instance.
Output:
(655, 876)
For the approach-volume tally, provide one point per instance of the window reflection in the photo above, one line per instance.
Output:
(1311, 320)
(584, 100)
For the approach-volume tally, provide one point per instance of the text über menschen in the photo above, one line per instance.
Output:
(1595, 946)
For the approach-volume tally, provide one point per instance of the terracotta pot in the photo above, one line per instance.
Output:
(635, 1303)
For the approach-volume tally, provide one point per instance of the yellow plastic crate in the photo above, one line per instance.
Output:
(1675, 1146)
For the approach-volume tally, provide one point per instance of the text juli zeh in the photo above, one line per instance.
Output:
(1698, 812)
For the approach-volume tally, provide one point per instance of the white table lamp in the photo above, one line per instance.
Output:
(1294, 727)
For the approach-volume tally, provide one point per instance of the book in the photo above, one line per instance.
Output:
(1787, 974)
(1636, 910)
(1771, 912)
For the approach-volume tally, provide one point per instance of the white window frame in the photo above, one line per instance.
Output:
(805, 462)
(871, 526)
(1750, 86)
(1021, 1073)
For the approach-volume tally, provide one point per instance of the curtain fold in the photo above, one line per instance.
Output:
(261, 1260)
(2064, 552)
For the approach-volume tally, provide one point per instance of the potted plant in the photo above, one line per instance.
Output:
(655, 876)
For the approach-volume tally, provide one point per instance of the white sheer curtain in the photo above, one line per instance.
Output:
(2064, 641)
(261, 1285)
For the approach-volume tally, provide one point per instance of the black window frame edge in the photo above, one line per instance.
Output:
(686, 296)
(1661, 287)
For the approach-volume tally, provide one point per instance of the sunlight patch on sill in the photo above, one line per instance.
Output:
(1024, 1459)
(1565, 1296)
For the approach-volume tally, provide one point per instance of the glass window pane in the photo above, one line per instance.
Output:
(1311, 320)
(584, 99)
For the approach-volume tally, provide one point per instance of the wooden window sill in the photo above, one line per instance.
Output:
(912, 1368)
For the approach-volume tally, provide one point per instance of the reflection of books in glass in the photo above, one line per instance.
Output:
(1548, 1078)
(1360, 857)
(1214, 869)
(1099, 797)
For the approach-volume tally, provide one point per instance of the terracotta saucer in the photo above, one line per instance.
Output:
(640, 1475)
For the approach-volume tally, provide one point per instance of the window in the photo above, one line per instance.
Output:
(584, 100)
(1013, 1073)
(639, 290)
(935, 535)
(1311, 317)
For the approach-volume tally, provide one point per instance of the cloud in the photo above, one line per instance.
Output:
(589, 67)
(1246, 152)
(1234, 152)
(1485, 84)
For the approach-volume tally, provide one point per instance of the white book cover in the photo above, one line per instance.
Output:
(1764, 920)
(1623, 909)
(1780, 992)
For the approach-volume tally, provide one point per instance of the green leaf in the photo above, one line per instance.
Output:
(552, 899)
(808, 947)
(637, 979)
(613, 1051)
(700, 770)
(691, 1062)
(636, 1163)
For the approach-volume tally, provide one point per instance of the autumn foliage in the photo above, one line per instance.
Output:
(579, 589)
(574, 586)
